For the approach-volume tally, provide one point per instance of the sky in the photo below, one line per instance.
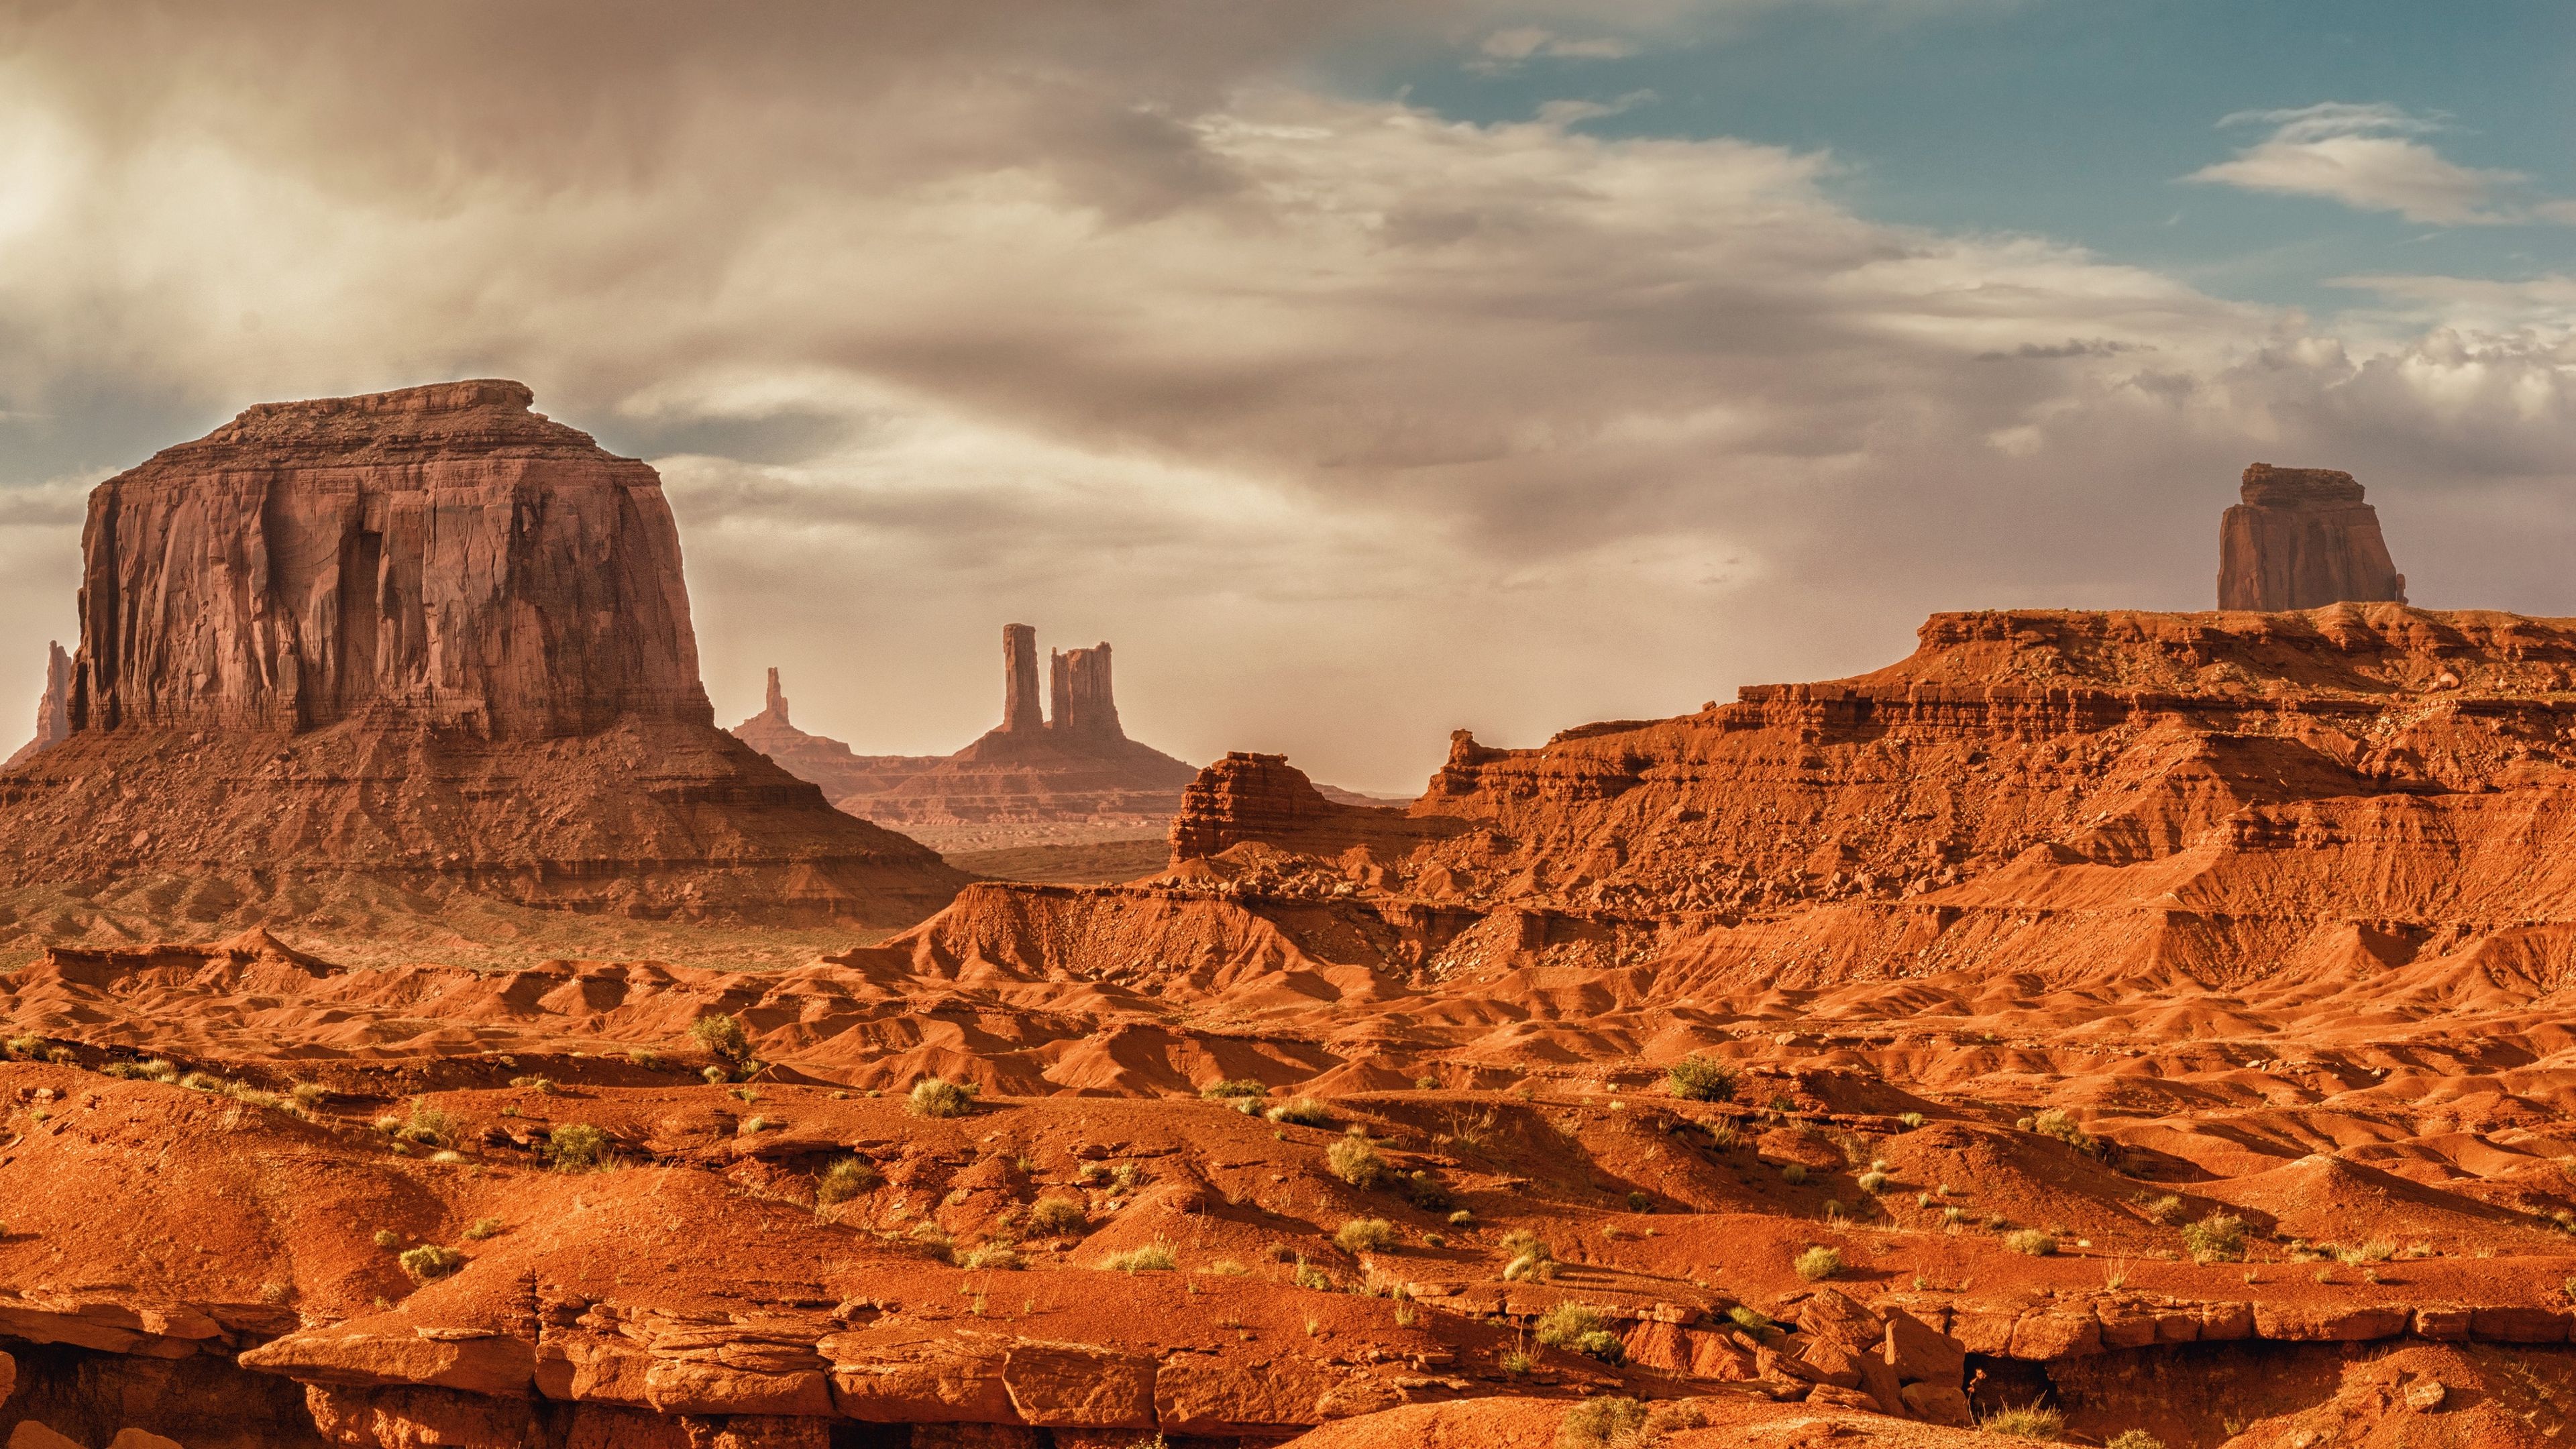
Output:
(1361, 371)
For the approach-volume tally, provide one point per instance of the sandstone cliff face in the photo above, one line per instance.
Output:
(53, 710)
(2069, 798)
(439, 555)
(2302, 538)
(421, 641)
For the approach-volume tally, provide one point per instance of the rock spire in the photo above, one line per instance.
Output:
(53, 711)
(2302, 538)
(1020, 680)
(777, 698)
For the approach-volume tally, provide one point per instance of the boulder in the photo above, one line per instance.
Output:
(1918, 1354)
(32, 1435)
(1078, 1385)
(2520, 1324)
(2331, 1323)
(1939, 1404)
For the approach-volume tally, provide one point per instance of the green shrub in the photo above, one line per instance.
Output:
(1355, 1160)
(1241, 1087)
(2219, 1236)
(1872, 1180)
(844, 1180)
(1425, 1191)
(309, 1095)
(577, 1147)
(1639, 1202)
(1793, 1173)
(1609, 1422)
(1151, 1258)
(388, 1238)
(939, 1097)
(1818, 1263)
(1001, 1256)
(1526, 1256)
(2030, 1421)
(1580, 1328)
(1307, 1275)
(430, 1261)
(2167, 1209)
(542, 1086)
(725, 1040)
(1911, 1120)
(483, 1228)
(1365, 1235)
(2031, 1242)
(430, 1127)
(1301, 1112)
(2134, 1439)
(2054, 1123)
(1753, 1320)
(1697, 1078)
(716, 1075)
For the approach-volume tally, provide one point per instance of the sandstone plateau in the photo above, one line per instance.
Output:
(2159, 1022)
(343, 660)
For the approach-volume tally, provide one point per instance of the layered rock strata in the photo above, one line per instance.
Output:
(428, 639)
(2302, 538)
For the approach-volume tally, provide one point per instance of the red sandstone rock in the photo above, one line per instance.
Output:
(1254, 798)
(53, 711)
(417, 642)
(2301, 539)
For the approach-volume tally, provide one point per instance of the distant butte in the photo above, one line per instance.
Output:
(2302, 538)
(410, 644)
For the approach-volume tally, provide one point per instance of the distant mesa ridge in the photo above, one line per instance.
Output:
(2302, 538)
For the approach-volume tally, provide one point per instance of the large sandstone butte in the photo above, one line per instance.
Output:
(2302, 538)
(409, 644)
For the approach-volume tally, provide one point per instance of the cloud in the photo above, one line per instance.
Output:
(2365, 157)
(1350, 423)
(1505, 51)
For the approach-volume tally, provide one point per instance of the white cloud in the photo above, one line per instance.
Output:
(1507, 50)
(2365, 157)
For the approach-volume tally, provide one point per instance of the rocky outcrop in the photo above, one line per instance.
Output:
(1020, 680)
(1262, 799)
(53, 711)
(1080, 700)
(419, 641)
(439, 555)
(2302, 538)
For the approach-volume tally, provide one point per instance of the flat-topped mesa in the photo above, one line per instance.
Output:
(438, 555)
(2303, 538)
(53, 710)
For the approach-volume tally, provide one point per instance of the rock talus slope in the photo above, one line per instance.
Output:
(418, 641)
